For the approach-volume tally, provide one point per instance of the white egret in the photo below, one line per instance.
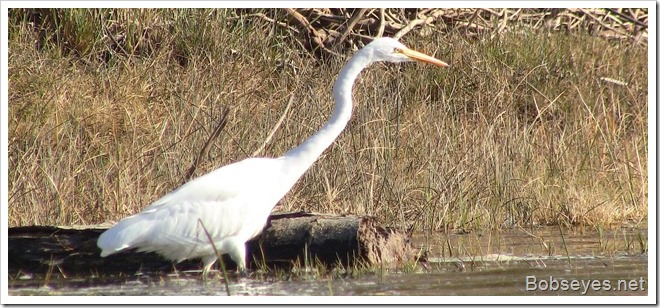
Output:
(233, 202)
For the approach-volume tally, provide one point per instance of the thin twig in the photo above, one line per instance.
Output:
(471, 20)
(351, 23)
(381, 27)
(268, 19)
(603, 24)
(222, 121)
(317, 37)
(217, 254)
(628, 18)
(275, 128)
(416, 22)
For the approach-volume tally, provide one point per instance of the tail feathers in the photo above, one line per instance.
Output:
(129, 232)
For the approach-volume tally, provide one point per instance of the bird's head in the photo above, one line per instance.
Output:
(390, 50)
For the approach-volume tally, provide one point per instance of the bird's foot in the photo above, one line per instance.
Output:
(243, 273)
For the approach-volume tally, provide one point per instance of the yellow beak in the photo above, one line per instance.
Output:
(418, 56)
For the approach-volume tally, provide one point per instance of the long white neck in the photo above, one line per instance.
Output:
(300, 158)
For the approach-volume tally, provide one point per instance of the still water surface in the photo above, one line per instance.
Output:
(547, 262)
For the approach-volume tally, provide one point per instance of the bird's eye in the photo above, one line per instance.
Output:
(397, 50)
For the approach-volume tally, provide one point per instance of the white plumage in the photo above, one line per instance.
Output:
(234, 201)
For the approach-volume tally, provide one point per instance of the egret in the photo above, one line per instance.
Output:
(230, 205)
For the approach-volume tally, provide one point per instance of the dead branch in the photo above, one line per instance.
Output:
(327, 32)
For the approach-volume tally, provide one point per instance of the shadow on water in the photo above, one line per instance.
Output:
(547, 262)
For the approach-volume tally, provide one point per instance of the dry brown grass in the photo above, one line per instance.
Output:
(521, 129)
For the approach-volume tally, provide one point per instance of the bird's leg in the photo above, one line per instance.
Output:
(243, 271)
(205, 273)
(237, 253)
(208, 262)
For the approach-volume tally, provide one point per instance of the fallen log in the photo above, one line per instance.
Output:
(37, 251)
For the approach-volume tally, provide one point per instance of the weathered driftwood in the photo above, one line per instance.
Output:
(288, 238)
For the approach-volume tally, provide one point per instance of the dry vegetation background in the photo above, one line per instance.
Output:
(541, 118)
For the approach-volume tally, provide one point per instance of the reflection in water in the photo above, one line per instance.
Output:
(513, 263)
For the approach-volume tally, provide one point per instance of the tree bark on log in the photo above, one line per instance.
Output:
(286, 239)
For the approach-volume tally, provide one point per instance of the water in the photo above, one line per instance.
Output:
(512, 263)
